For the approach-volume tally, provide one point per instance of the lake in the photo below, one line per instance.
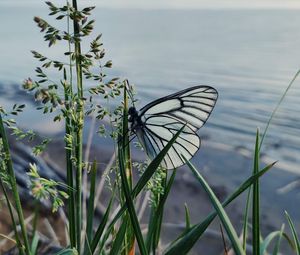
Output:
(249, 56)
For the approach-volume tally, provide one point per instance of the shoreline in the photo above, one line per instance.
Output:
(224, 169)
(45, 126)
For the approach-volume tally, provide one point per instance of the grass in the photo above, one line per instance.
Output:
(119, 231)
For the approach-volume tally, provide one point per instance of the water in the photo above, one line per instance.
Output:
(250, 56)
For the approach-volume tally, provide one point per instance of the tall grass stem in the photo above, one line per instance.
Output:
(79, 132)
(13, 183)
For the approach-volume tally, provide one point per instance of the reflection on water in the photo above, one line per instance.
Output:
(248, 55)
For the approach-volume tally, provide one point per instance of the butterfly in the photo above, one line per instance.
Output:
(157, 122)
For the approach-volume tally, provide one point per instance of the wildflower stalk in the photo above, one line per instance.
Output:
(13, 183)
(68, 91)
(79, 131)
(71, 202)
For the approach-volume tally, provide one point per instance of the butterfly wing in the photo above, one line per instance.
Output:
(192, 106)
(158, 131)
(164, 117)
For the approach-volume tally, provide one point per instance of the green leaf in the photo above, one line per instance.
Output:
(220, 211)
(129, 200)
(90, 212)
(67, 252)
(187, 217)
(273, 235)
(117, 244)
(187, 240)
(141, 184)
(245, 220)
(266, 242)
(155, 225)
(154, 165)
(101, 226)
(276, 248)
(294, 233)
(277, 107)
(34, 244)
(255, 202)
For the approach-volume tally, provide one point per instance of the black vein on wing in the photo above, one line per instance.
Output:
(154, 150)
(163, 139)
(170, 129)
(149, 132)
(181, 94)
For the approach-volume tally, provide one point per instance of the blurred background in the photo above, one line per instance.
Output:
(248, 51)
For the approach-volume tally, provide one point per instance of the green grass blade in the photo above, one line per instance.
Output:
(125, 138)
(277, 107)
(188, 239)
(142, 183)
(34, 244)
(273, 235)
(14, 224)
(267, 241)
(220, 211)
(155, 232)
(277, 245)
(154, 165)
(129, 236)
(245, 220)
(129, 201)
(67, 252)
(255, 202)
(187, 217)
(14, 186)
(35, 219)
(149, 238)
(90, 212)
(69, 167)
(118, 242)
(101, 226)
(294, 233)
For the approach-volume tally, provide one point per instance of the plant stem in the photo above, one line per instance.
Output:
(79, 131)
(256, 202)
(71, 200)
(129, 237)
(13, 184)
(21, 248)
(36, 217)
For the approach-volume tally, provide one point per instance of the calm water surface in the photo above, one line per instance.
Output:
(250, 56)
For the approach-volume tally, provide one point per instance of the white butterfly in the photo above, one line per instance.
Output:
(157, 122)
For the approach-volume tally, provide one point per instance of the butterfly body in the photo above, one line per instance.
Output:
(157, 122)
(134, 118)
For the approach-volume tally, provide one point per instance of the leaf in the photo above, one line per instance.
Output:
(129, 200)
(34, 244)
(90, 213)
(294, 233)
(187, 217)
(67, 252)
(101, 226)
(117, 244)
(255, 202)
(245, 220)
(187, 240)
(220, 211)
(140, 185)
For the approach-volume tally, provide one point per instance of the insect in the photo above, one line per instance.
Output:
(157, 122)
